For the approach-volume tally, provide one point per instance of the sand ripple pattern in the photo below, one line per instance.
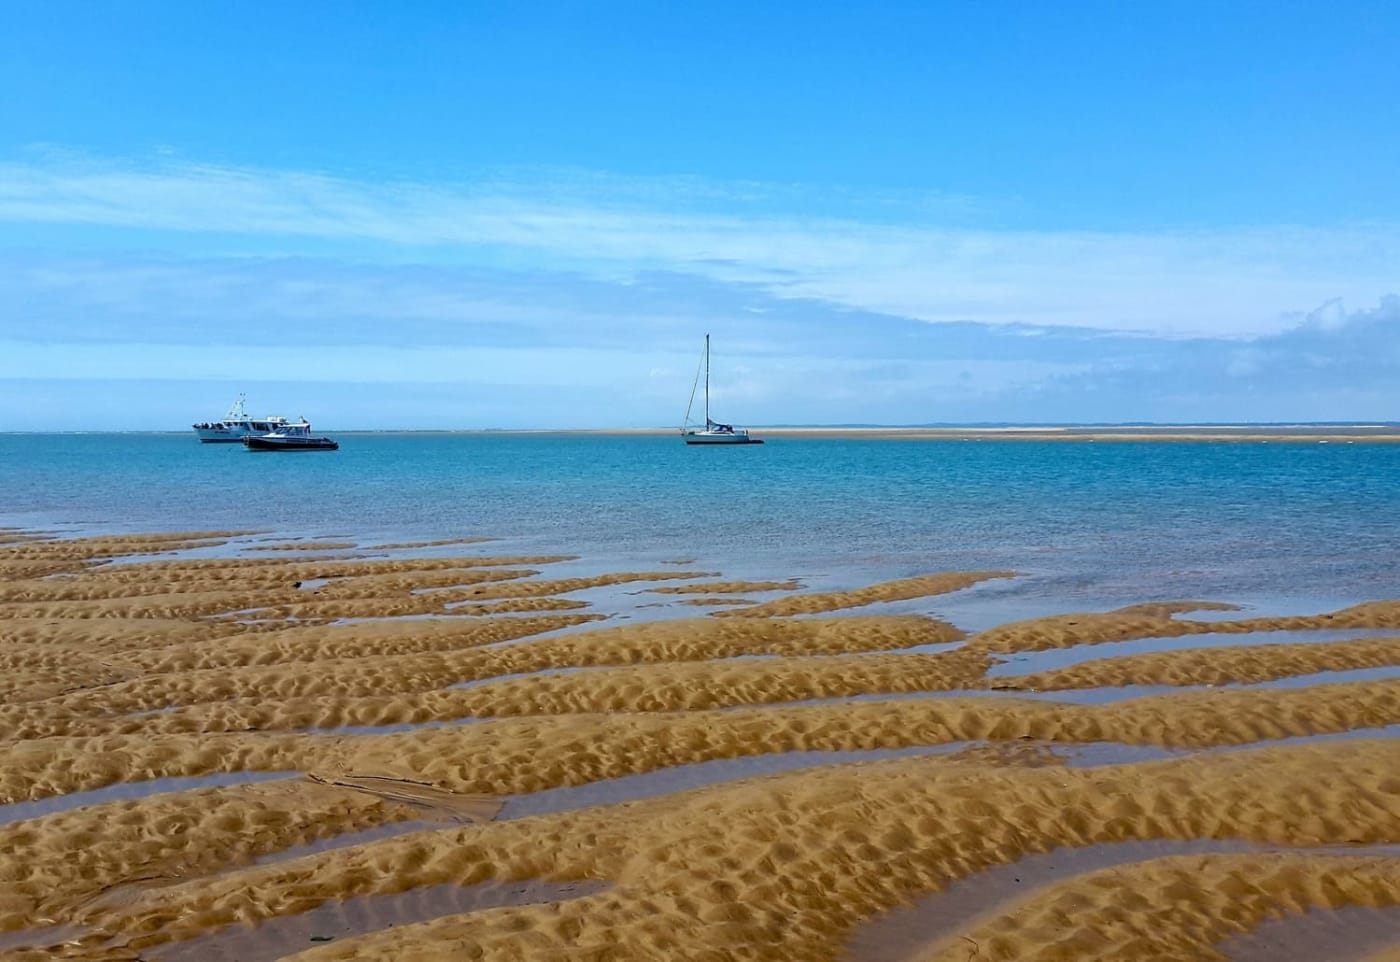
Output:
(166, 666)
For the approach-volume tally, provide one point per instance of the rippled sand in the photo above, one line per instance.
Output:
(406, 701)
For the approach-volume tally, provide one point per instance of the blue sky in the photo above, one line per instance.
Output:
(469, 215)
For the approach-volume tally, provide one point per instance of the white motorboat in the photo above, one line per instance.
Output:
(237, 424)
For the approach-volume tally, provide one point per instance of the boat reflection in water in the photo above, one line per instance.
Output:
(292, 437)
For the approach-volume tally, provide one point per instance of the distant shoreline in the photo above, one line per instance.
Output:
(1370, 433)
(1301, 433)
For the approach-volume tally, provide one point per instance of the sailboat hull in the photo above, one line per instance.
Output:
(734, 438)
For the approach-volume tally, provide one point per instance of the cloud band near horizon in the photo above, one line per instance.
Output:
(1225, 281)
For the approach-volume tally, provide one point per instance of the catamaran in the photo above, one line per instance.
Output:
(713, 432)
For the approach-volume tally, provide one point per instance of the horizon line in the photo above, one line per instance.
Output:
(843, 426)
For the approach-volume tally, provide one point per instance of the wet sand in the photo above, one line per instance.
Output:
(263, 755)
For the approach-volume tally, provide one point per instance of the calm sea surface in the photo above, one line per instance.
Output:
(1277, 526)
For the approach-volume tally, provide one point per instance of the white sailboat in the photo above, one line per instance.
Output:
(713, 431)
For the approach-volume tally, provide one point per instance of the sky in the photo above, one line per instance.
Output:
(471, 215)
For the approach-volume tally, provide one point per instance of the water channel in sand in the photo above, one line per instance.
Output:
(917, 930)
(1346, 934)
(1034, 662)
(122, 791)
(1099, 696)
(337, 919)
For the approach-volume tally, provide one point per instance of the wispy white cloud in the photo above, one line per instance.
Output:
(1224, 282)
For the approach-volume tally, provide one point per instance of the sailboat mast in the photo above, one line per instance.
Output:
(707, 382)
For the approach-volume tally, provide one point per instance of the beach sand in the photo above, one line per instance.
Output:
(266, 755)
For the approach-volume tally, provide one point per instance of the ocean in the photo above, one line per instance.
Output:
(1278, 527)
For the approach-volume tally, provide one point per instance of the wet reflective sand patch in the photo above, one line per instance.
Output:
(1350, 933)
(682, 778)
(342, 919)
(1116, 693)
(40, 938)
(933, 923)
(1386, 731)
(936, 648)
(1032, 662)
(126, 791)
(728, 587)
(1102, 696)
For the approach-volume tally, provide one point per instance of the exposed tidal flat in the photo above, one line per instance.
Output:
(246, 744)
(608, 698)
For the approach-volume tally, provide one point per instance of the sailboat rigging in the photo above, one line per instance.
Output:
(714, 432)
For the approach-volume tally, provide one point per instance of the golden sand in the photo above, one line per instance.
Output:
(1156, 621)
(1138, 905)
(164, 667)
(1219, 666)
(903, 590)
(427, 544)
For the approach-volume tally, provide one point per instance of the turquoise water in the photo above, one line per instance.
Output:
(1299, 525)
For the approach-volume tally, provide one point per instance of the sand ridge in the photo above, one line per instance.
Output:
(166, 838)
(902, 590)
(401, 545)
(1242, 664)
(531, 753)
(493, 585)
(1137, 904)
(1157, 621)
(369, 660)
(305, 546)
